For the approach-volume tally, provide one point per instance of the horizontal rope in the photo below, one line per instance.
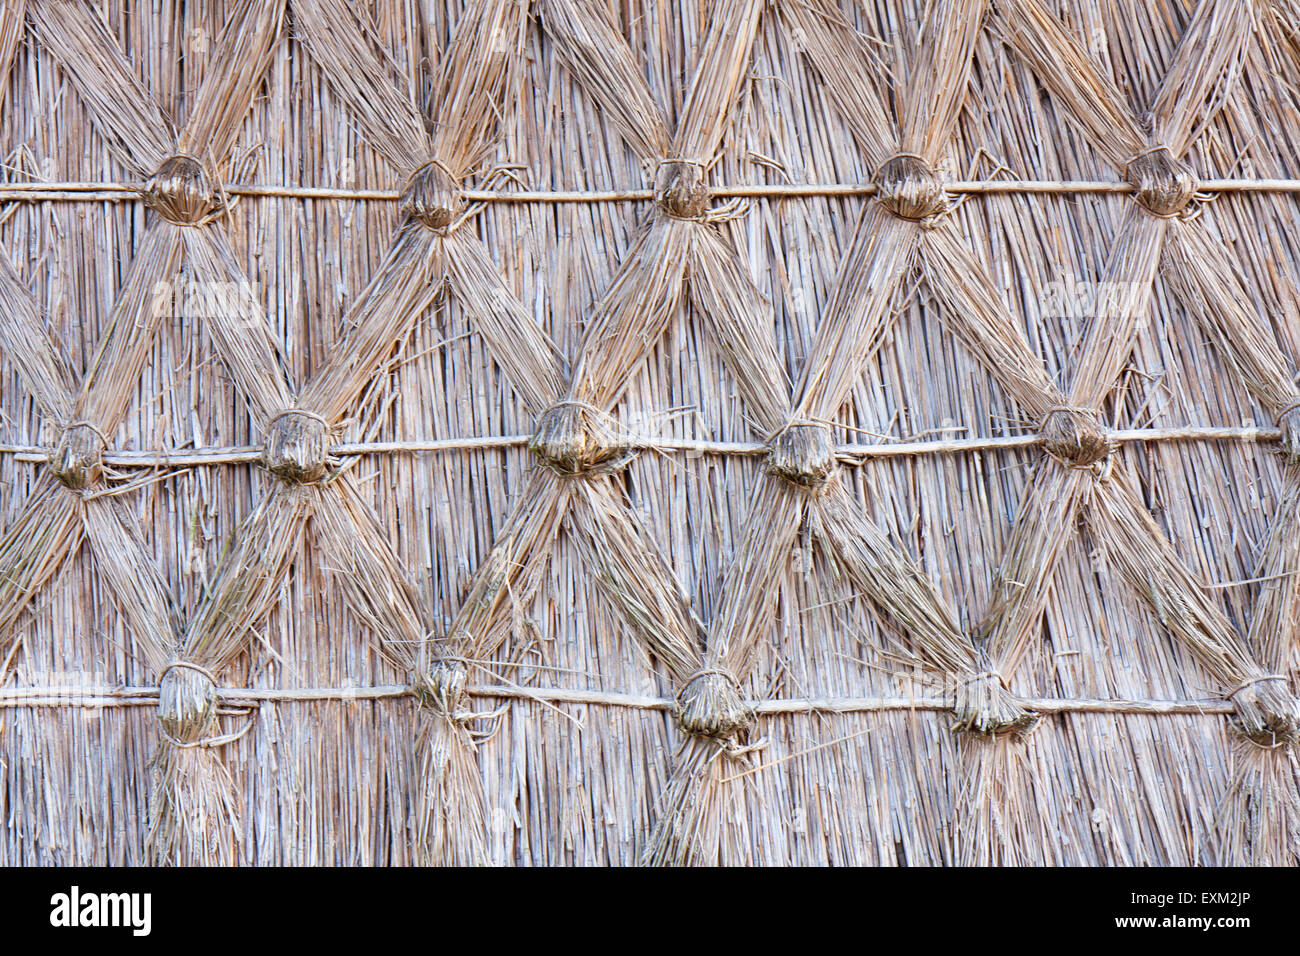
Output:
(123, 192)
(246, 697)
(248, 454)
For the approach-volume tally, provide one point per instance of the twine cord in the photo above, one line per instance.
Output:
(1253, 680)
(216, 740)
(189, 666)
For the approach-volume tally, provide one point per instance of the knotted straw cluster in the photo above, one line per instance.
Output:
(297, 447)
(679, 188)
(1162, 185)
(908, 187)
(1074, 436)
(78, 459)
(803, 453)
(575, 438)
(182, 192)
(433, 197)
(711, 705)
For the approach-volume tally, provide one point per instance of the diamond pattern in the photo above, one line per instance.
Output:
(903, 116)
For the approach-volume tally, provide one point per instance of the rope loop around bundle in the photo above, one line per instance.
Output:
(187, 727)
(1073, 435)
(78, 457)
(575, 438)
(183, 192)
(710, 704)
(1163, 185)
(218, 740)
(188, 666)
(910, 188)
(297, 446)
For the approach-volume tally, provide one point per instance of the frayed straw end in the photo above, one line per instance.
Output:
(803, 454)
(986, 708)
(711, 705)
(450, 811)
(693, 810)
(195, 810)
(1260, 815)
(574, 438)
(1267, 712)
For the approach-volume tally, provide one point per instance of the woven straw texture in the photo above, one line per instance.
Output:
(612, 432)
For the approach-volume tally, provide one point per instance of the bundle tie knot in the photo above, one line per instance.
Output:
(434, 197)
(575, 438)
(1163, 185)
(679, 189)
(908, 186)
(802, 453)
(297, 446)
(442, 687)
(1269, 717)
(78, 459)
(985, 706)
(1073, 435)
(1288, 422)
(187, 696)
(183, 193)
(710, 705)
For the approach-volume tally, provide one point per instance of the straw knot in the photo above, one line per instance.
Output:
(1288, 421)
(442, 688)
(1074, 436)
(711, 705)
(182, 192)
(78, 459)
(187, 702)
(297, 447)
(802, 453)
(1267, 711)
(575, 438)
(909, 187)
(985, 707)
(679, 189)
(1163, 185)
(433, 197)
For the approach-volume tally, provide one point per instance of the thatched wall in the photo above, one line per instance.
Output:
(674, 471)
